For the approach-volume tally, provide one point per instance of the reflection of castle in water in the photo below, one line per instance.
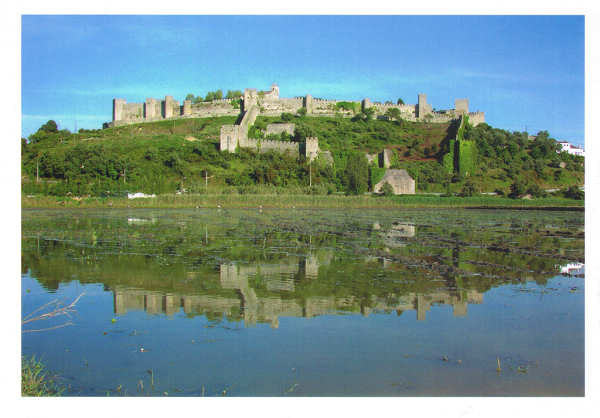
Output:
(396, 235)
(275, 297)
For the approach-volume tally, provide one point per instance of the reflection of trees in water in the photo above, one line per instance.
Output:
(258, 267)
(303, 286)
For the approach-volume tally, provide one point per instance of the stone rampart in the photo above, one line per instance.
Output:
(266, 145)
(439, 117)
(322, 106)
(247, 121)
(407, 112)
(275, 107)
(475, 118)
(278, 128)
(214, 108)
(269, 103)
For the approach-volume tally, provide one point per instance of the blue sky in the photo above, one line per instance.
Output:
(525, 72)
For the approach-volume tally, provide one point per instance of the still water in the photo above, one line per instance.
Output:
(308, 302)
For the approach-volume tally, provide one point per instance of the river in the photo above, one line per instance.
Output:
(196, 302)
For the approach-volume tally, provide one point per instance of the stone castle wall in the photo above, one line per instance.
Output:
(275, 107)
(269, 103)
(278, 128)
(266, 145)
(475, 118)
(222, 107)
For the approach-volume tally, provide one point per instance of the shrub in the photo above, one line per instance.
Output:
(387, 189)
(356, 174)
(517, 188)
(468, 188)
(536, 191)
(285, 116)
(574, 192)
(35, 380)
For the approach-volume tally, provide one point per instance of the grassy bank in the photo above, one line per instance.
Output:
(300, 201)
(35, 379)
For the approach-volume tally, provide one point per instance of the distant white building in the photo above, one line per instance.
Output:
(571, 149)
(139, 195)
(572, 269)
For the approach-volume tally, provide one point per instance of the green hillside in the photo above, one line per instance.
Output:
(183, 154)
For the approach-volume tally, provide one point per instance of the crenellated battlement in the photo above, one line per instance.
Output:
(269, 103)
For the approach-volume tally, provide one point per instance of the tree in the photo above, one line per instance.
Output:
(233, 94)
(286, 117)
(214, 95)
(189, 96)
(400, 101)
(536, 191)
(468, 188)
(369, 113)
(393, 113)
(356, 174)
(574, 192)
(47, 130)
(301, 111)
(302, 132)
(49, 127)
(387, 189)
(517, 188)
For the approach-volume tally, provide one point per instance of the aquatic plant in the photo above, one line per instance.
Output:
(36, 380)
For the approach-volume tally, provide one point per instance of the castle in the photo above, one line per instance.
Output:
(268, 103)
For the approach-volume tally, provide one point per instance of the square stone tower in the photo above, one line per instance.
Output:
(152, 109)
(423, 108)
(312, 148)
(169, 102)
(250, 99)
(118, 105)
(461, 106)
(187, 107)
(308, 103)
(366, 103)
(229, 137)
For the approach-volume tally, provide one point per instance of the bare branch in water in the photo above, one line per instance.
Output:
(55, 310)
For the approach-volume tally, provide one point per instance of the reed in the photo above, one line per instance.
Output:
(36, 380)
(290, 201)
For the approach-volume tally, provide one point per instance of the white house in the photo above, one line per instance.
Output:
(571, 149)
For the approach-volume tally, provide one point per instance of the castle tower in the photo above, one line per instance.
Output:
(169, 102)
(118, 105)
(187, 108)
(366, 103)
(229, 137)
(312, 148)
(422, 107)
(250, 98)
(308, 103)
(274, 91)
(461, 106)
(152, 109)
